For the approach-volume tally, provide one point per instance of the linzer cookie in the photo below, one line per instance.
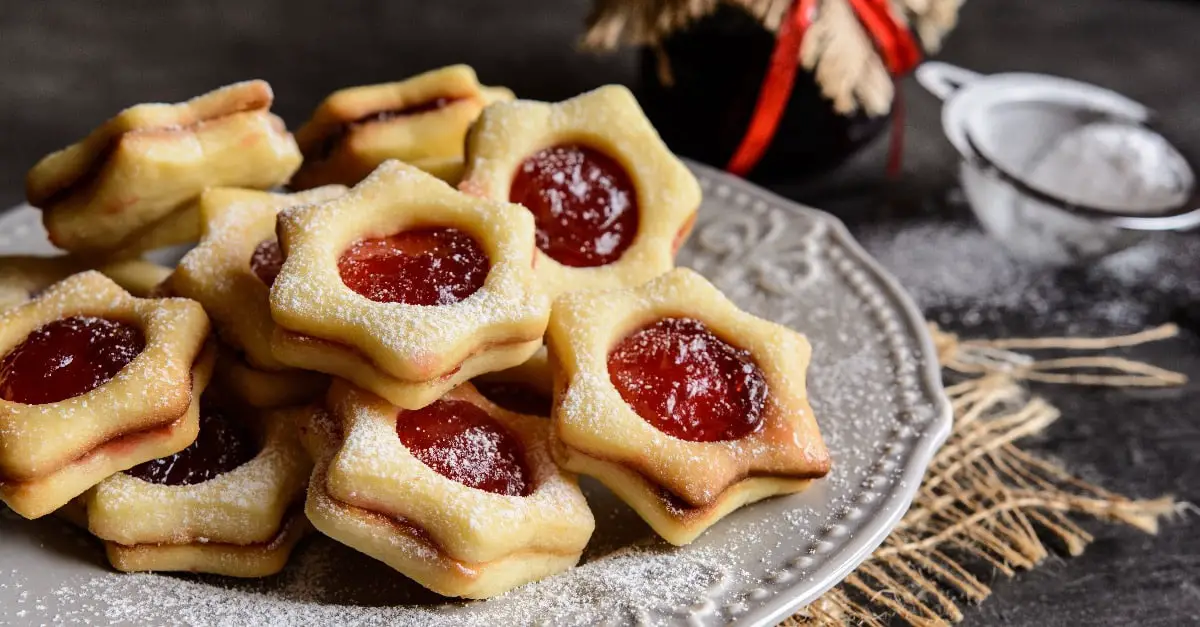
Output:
(407, 287)
(611, 203)
(94, 381)
(117, 191)
(461, 496)
(421, 121)
(230, 273)
(228, 504)
(683, 405)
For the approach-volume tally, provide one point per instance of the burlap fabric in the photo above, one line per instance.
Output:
(986, 502)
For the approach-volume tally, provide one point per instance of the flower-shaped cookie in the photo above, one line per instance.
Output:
(102, 195)
(611, 203)
(420, 121)
(461, 496)
(526, 389)
(231, 270)
(94, 381)
(407, 287)
(24, 277)
(229, 504)
(683, 405)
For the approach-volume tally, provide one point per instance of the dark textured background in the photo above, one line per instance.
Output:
(67, 65)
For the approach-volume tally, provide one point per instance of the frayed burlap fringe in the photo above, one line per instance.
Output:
(984, 501)
(836, 48)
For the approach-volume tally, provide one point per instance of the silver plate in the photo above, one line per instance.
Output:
(875, 389)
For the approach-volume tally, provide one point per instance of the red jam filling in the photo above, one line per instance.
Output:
(689, 383)
(67, 358)
(461, 442)
(266, 261)
(521, 398)
(222, 445)
(583, 203)
(435, 266)
(331, 142)
(413, 109)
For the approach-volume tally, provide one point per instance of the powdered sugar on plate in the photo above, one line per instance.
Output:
(878, 417)
(961, 276)
(314, 590)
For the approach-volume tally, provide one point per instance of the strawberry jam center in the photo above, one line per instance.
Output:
(689, 383)
(222, 445)
(435, 266)
(583, 203)
(521, 398)
(266, 261)
(461, 442)
(67, 358)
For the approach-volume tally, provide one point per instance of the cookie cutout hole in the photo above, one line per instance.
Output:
(688, 383)
(266, 261)
(67, 358)
(223, 445)
(583, 201)
(431, 266)
(461, 442)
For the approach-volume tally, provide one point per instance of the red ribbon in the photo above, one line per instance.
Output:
(893, 40)
(895, 43)
(776, 89)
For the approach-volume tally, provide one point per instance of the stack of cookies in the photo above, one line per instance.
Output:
(407, 328)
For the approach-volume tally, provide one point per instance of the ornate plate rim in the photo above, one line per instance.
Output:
(842, 555)
(837, 566)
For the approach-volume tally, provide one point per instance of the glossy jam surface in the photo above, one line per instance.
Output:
(437, 266)
(266, 261)
(67, 358)
(517, 397)
(461, 442)
(689, 383)
(583, 203)
(222, 445)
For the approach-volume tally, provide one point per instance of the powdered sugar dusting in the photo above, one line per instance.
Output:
(313, 591)
(310, 297)
(230, 269)
(688, 382)
(583, 202)
(462, 442)
(155, 382)
(609, 120)
(592, 413)
(763, 553)
(246, 503)
(958, 270)
(373, 469)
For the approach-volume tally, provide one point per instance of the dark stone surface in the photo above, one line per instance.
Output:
(69, 64)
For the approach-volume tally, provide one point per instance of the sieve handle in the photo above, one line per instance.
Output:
(943, 79)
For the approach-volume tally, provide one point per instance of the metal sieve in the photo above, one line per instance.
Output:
(1060, 171)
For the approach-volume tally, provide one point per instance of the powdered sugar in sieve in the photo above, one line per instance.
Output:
(1128, 168)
